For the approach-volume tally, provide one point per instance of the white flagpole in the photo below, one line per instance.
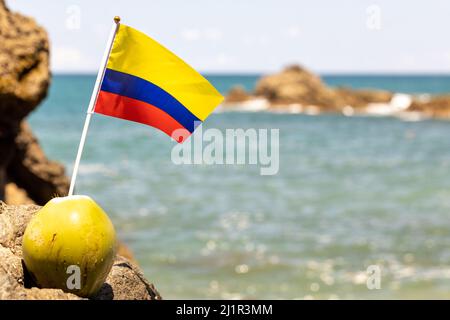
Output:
(98, 81)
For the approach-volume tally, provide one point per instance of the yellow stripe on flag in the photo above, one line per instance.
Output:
(137, 54)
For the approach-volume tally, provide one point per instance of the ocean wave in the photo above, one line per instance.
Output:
(253, 105)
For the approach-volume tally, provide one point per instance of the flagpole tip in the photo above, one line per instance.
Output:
(116, 19)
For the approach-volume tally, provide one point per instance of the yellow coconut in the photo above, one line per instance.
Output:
(70, 244)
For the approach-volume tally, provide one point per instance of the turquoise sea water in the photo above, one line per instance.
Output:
(351, 192)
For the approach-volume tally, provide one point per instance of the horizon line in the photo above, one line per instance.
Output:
(260, 73)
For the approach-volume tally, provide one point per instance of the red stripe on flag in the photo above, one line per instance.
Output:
(118, 106)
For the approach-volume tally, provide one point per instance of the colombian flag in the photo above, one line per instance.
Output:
(146, 83)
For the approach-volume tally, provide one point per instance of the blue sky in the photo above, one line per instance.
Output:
(250, 36)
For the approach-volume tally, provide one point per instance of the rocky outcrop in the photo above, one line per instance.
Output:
(436, 107)
(24, 81)
(297, 86)
(295, 89)
(361, 98)
(31, 170)
(237, 94)
(24, 58)
(125, 281)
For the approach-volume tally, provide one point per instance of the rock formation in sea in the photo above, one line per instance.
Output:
(296, 86)
(26, 174)
(237, 94)
(435, 107)
(125, 281)
(299, 90)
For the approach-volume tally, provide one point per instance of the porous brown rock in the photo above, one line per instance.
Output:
(24, 59)
(12, 290)
(24, 81)
(125, 280)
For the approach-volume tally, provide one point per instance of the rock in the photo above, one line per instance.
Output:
(24, 59)
(123, 277)
(15, 195)
(12, 290)
(361, 98)
(11, 265)
(237, 94)
(24, 81)
(296, 86)
(125, 281)
(125, 252)
(437, 107)
(13, 221)
(31, 170)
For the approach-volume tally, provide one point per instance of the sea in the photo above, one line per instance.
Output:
(359, 209)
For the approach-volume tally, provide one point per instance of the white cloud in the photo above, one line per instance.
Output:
(447, 58)
(65, 58)
(246, 40)
(214, 62)
(62, 56)
(195, 34)
(293, 31)
(408, 61)
(263, 40)
(255, 40)
(190, 34)
(224, 59)
(212, 34)
(101, 30)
